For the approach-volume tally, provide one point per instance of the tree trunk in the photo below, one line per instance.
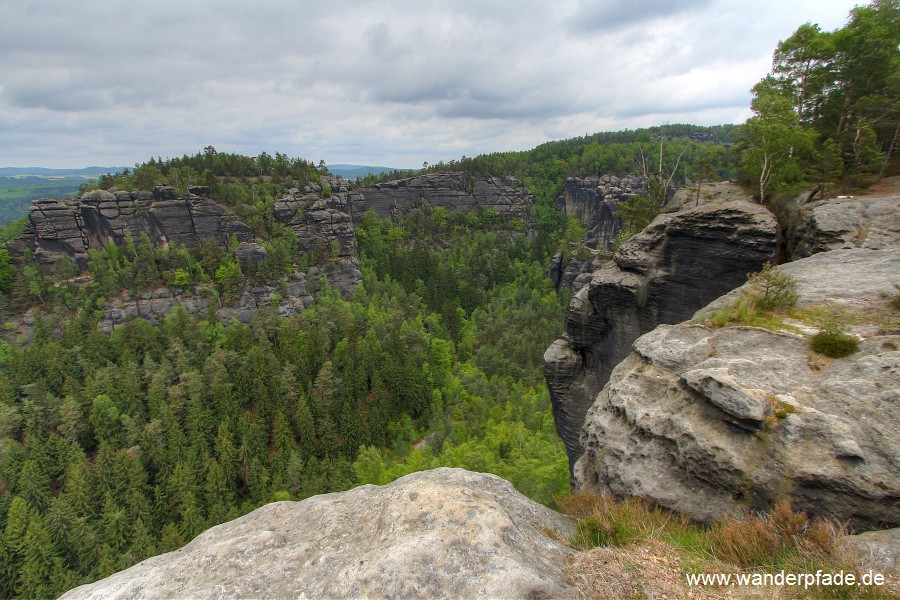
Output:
(887, 156)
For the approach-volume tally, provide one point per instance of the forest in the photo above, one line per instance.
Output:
(117, 447)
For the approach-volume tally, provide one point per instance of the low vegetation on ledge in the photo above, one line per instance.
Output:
(633, 549)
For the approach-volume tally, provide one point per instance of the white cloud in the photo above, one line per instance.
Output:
(391, 82)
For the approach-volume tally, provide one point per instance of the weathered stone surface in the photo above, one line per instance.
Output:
(877, 550)
(712, 421)
(58, 227)
(323, 225)
(451, 191)
(249, 254)
(572, 272)
(678, 264)
(446, 533)
(592, 201)
(863, 222)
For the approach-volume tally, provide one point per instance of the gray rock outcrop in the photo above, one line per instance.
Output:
(592, 201)
(446, 533)
(323, 223)
(572, 273)
(709, 422)
(452, 191)
(678, 264)
(71, 227)
(833, 223)
(298, 291)
(877, 550)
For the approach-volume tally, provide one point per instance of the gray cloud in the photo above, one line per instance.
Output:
(390, 82)
(610, 15)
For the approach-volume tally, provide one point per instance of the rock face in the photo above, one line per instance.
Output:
(452, 191)
(877, 550)
(573, 273)
(322, 222)
(713, 421)
(322, 216)
(592, 200)
(446, 533)
(674, 267)
(864, 222)
(297, 292)
(57, 227)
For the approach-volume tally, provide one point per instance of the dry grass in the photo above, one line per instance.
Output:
(645, 551)
(604, 521)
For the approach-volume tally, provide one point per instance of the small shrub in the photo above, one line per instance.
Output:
(894, 302)
(604, 521)
(834, 344)
(593, 532)
(772, 288)
(782, 538)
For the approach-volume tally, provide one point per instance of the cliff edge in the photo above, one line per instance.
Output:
(678, 264)
(446, 533)
(712, 421)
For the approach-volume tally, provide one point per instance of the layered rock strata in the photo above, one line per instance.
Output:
(678, 264)
(709, 422)
(572, 273)
(296, 292)
(322, 222)
(592, 200)
(446, 533)
(71, 227)
(454, 191)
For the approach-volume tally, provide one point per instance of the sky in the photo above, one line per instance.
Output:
(377, 82)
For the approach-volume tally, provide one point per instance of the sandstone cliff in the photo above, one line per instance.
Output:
(446, 533)
(322, 216)
(57, 227)
(592, 201)
(712, 421)
(452, 191)
(675, 266)
(863, 222)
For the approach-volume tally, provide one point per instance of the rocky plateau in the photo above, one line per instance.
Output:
(322, 216)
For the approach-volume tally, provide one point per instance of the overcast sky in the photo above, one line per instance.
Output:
(379, 82)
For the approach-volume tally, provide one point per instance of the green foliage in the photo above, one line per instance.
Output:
(837, 89)
(7, 271)
(774, 140)
(834, 344)
(773, 288)
(132, 443)
(591, 532)
(230, 278)
(769, 291)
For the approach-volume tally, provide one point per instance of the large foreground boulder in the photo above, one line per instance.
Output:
(709, 422)
(435, 534)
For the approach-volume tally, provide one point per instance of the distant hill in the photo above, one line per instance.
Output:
(90, 172)
(20, 185)
(354, 171)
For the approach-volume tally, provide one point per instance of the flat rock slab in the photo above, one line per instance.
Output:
(446, 533)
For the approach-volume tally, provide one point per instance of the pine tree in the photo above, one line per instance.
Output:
(41, 566)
